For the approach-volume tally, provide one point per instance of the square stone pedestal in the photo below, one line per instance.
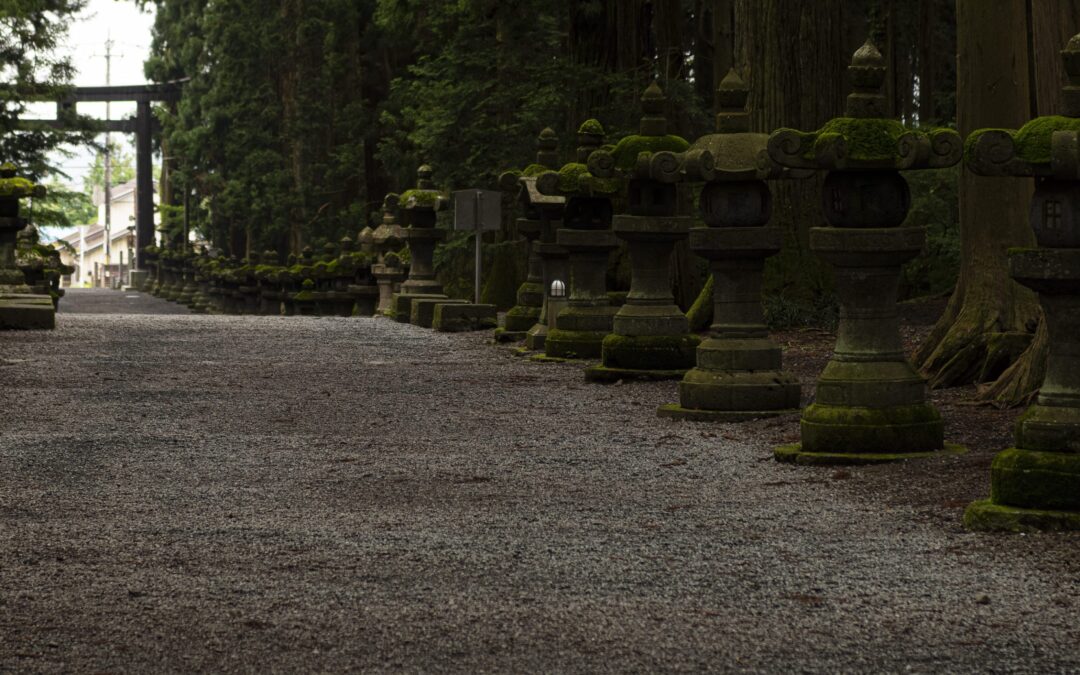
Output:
(26, 312)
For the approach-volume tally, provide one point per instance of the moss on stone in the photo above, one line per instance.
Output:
(867, 138)
(629, 148)
(1036, 480)
(534, 170)
(591, 126)
(700, 315)
(571, 344)
(1033, 139)
(575, 178)
(858, 430)
(650, 352)
(16, 186)
(422, 198)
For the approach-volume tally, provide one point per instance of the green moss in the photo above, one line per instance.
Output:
(700, 315)
(650, 352)
(628, 149)
(575, 178)
(987, 516)
(16, 187)
(858, 430)
(591, 126)
(867, 138)
(534, 170)
(421, 198)
(570, 344)
(1039, 480)
(1033, 139)
(794, 454)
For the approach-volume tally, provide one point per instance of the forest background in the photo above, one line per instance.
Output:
(298, 116)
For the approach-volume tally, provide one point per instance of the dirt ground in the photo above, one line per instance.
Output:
(264, 494)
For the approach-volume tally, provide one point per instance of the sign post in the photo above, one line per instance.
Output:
(480, 211)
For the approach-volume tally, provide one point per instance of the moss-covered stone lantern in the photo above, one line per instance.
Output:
(739, 373)
(386, 240)
(20, 308)
(871, 405)
(586, 236)
(650, 336)
(547, 261)
(420, 207)
(1036, 484)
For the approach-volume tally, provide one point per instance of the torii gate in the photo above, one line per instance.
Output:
(143, 126)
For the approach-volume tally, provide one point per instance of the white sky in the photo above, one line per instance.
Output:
(130, 32)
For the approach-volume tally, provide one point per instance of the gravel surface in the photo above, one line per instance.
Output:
(182, 493)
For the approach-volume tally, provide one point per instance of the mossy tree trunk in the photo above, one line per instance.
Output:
(1053, 22)
(982, 330)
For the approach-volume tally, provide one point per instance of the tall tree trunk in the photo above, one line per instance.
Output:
(793, 54)
(1053, 22)
(927, 56)
(969, 341)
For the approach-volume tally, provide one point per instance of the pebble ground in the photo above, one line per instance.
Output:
(260, 494)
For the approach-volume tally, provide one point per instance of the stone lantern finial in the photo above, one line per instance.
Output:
(653, 101)
(423, 175)
(1071, 56)
(867, 72)
(590, 137)
(547, 144)
(732, 96)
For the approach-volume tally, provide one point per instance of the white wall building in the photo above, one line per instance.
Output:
(89, 258)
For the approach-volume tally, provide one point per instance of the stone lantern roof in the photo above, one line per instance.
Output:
(523, 183)
(1045, 146)
(574, 178)
(17, 187)
(652, 153)
(424, 197)
(388, 234)
(864, 139)
(737, 153)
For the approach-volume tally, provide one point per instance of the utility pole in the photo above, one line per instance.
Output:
(108, 158)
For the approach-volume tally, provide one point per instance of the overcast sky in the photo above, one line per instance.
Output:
(130, 32)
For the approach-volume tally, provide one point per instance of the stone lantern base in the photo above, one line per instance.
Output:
(1036, 485)
(19, 311)
(553, 259)
(870, 403)
(530, 294)
(650, 336)
(739, 374)
(389, 281)
(582, 326)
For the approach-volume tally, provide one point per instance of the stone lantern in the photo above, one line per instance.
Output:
(547, 261)
(19, 308)
(1036, 484)
(650, 336)
(386, 240)
(739, 373)
(420, 208)
(586, 236)
(871, 404)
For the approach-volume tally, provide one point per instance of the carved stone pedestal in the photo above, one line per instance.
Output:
(650, 336)
(1036, 485)
(739, 374)
(589, 315)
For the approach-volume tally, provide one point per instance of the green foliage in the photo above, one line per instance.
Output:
(30, 32)
(935, 205)
(63, 207)
(123, 170)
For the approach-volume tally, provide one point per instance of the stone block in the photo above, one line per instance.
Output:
(460, 317)
(26, 312)
(401, 304)
(423, 309)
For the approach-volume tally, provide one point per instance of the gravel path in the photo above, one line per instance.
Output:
(182, 493)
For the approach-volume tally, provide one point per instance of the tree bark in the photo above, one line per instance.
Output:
(793, 55)
(1053, 22)
(992, 91)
